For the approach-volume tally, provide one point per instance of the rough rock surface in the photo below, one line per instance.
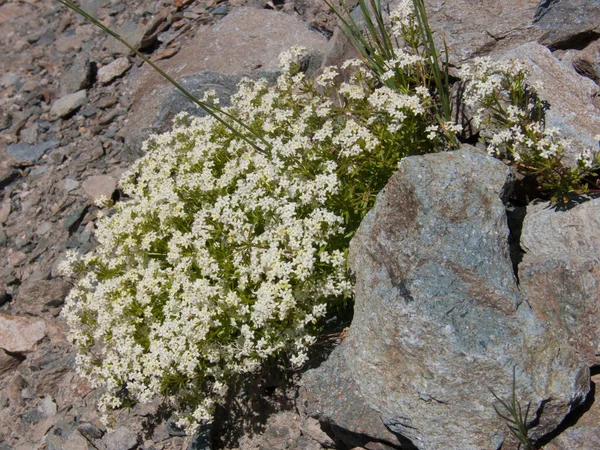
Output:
(20, 334)
(115, 69)
(567, 22)
(560, 272)
(439, 320)
(587, 62)
(69, 104)
(570, 97)
(585, 433)
(330, 395)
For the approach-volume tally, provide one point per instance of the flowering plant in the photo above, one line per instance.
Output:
(511, 115)
(232, 244)
(228, 254)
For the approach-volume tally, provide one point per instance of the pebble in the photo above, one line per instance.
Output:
(114, 70)
(122, 438)
(4, 212)
(68, 104)
(99, 185)
(30, 152)
(70, 184)
(20, 334)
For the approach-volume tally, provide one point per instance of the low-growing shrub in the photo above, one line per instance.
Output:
(231, 246)
(227, 254)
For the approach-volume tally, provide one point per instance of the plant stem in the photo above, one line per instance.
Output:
(210, 109)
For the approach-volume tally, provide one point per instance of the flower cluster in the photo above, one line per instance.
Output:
(227, 254)
(511, 115)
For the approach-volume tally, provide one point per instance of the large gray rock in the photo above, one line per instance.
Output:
(246, 42)
(567, 23)
(439, 320)
(560, 272)
(569, 94)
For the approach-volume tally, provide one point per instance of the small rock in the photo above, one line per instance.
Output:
(68, 104)
(120, 439)
(36, 297)
(131, 33)
(28, 153)
(68, 44)
(99, 185)
(4, 212)
(63, 437)
(30, 134)
(48, 407)
(587, 62)
(220, 10)
(114, 70)
(8, 362)
(20, 334)
(73, 220)
(79, 76)
(106, 102)
(90, 430)
(70, 184)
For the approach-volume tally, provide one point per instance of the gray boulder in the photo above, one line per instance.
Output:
(439, 321)
(560, 272)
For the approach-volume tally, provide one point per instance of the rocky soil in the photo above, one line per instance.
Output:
(74, 108)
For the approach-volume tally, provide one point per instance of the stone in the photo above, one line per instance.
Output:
(36, 297)
(30, 135)
(115, 69)
(4, 212)
(585, 433)
(587, 62)
(70, 184)
(569, 94)
(68, 104)
(246, 42)
(120, 439)
(78, 76)
(99, 186)
(8, 362)
(330, 395)
(439, 320)
(20, 334)
(566, 23)
(30, 153)
(68, 44)
(130, 32)
(63, 436)
(7, 174)
(560, 272)
(48, 406)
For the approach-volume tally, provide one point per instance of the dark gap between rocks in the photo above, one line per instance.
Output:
(571, 418)
(576, 42)
(348, 440)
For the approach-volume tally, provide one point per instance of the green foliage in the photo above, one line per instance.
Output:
(514, 416)
(512, 117)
